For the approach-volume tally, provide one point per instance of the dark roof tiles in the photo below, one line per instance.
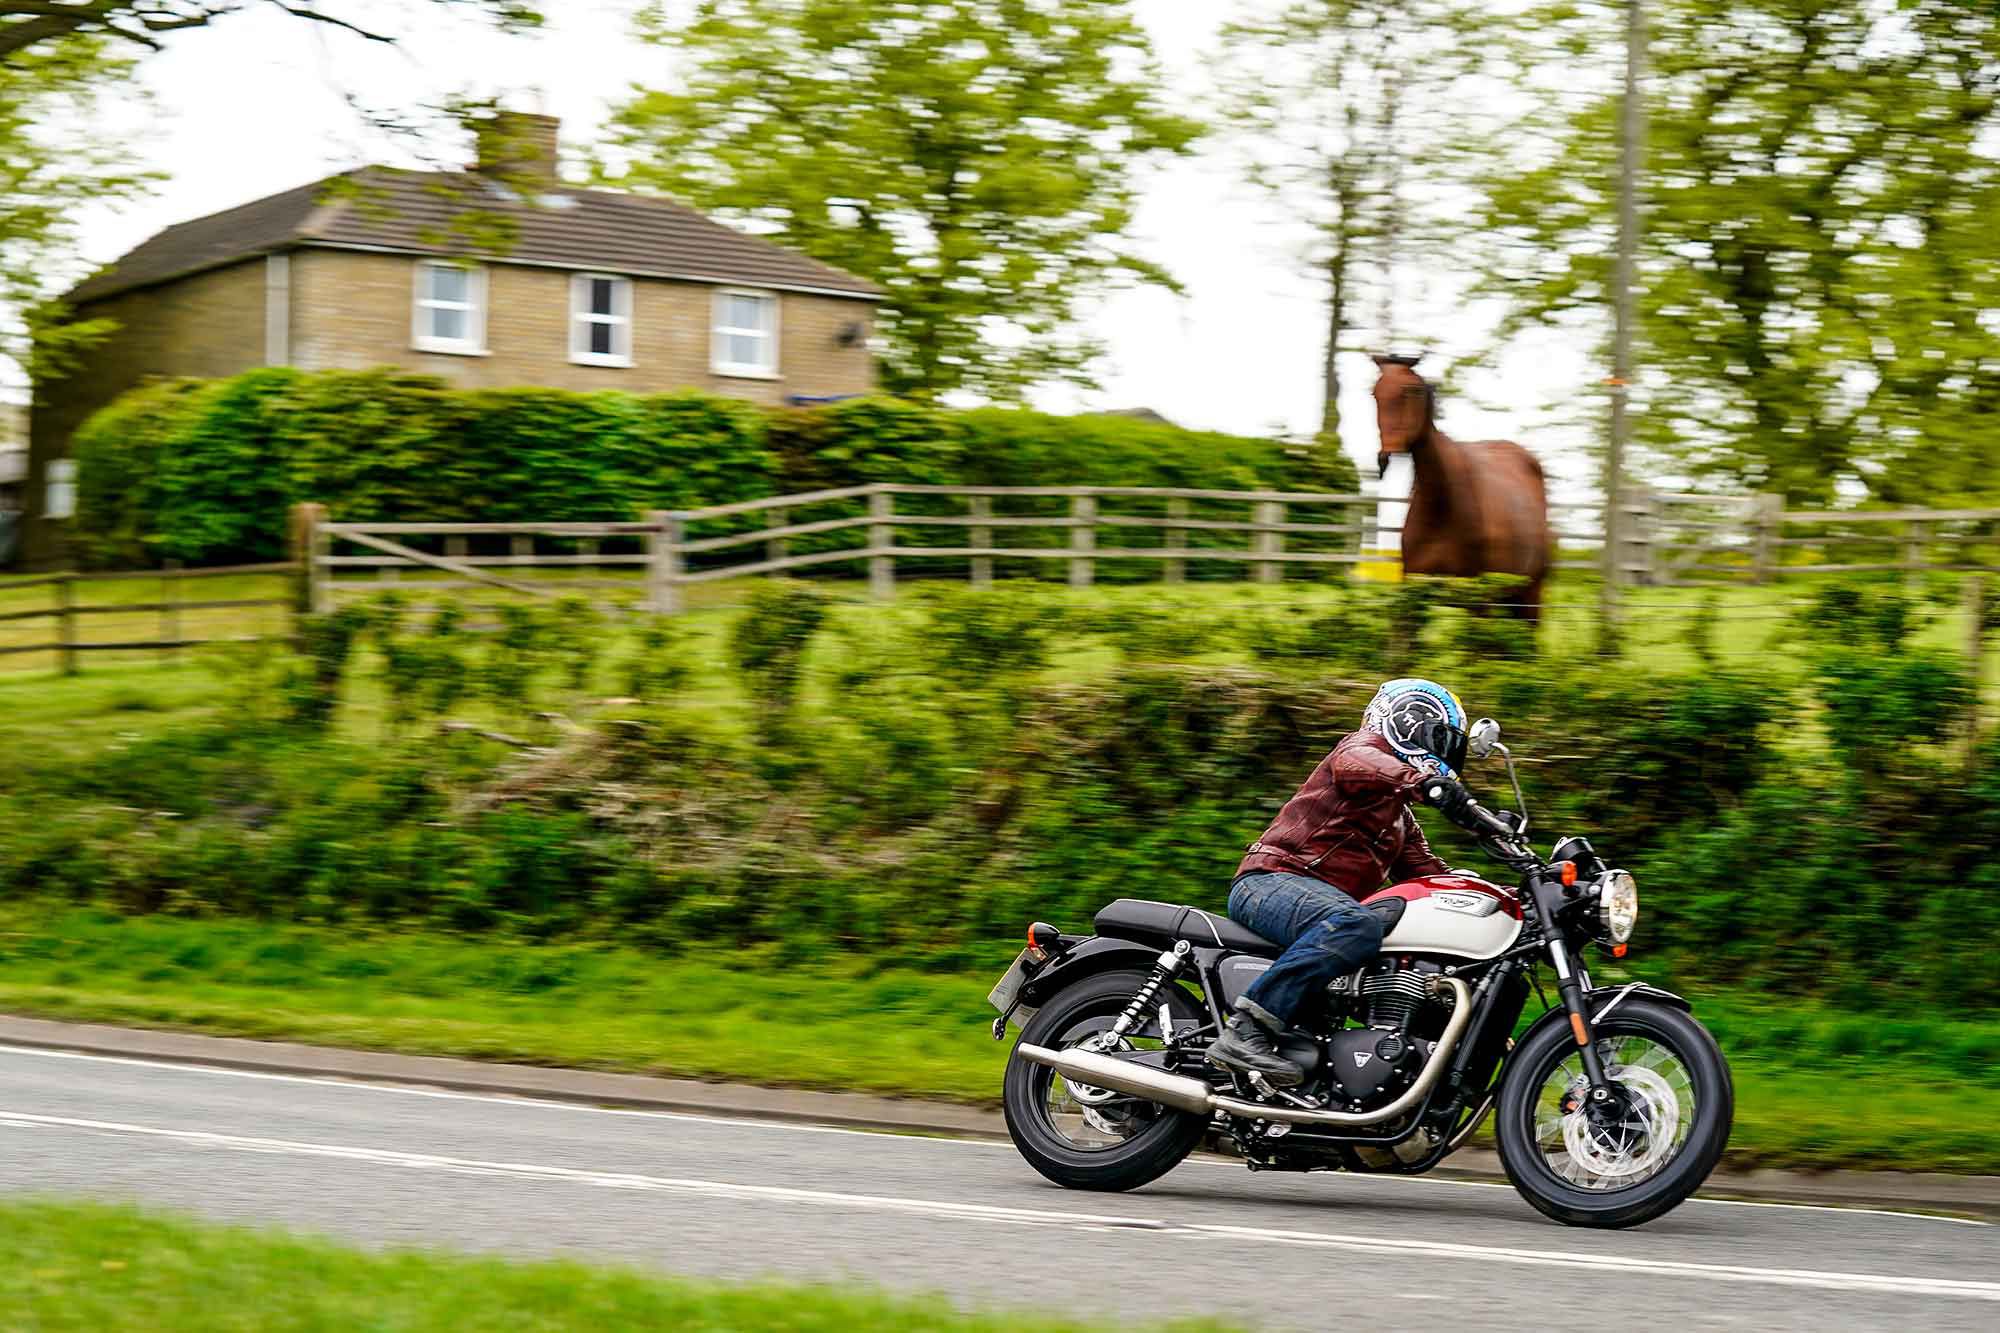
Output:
(463, 213)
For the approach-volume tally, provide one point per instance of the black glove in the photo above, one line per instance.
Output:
(1451, 798)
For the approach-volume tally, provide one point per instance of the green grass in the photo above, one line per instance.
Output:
(1815, 1088)
(104, 1270)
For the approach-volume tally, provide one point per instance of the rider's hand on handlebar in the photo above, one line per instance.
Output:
(1452, 800)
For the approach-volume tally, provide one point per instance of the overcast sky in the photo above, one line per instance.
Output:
(255, 105)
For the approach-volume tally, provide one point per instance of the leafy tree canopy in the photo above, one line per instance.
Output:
(28, 24)
(975, 158)
(51, 164)
(1820, 263)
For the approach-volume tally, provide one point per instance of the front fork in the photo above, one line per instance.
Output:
(1570, 976)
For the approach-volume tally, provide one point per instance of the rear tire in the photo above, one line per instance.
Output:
(1524, 1121)
(1166, 1138)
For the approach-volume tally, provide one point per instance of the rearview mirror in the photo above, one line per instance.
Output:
(1485, 734)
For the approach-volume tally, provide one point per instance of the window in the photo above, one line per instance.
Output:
(600, 323)
(450, 313)
(60, 500)
(746, 334)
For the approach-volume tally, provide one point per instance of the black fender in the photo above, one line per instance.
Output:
(1601, 1000)
(1095, 954)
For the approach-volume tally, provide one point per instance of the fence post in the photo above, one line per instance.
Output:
(1083, 537)
(982, 537)
(1269, 512)
(1766, 516)
(1176, 570)
(308, 544)
(1975, 650)
(170, 616)
(1913, 554)
(65, 589)
(775, 547)
(881, 540)
(663, 566)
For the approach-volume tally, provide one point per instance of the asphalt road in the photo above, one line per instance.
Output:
(733, 1199)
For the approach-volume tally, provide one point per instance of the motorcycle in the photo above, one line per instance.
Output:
(1613, 1106)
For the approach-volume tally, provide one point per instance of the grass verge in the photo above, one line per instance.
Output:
(1809, 1087)
(83, 1267)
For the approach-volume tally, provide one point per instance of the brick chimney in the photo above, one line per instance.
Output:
(518, 148)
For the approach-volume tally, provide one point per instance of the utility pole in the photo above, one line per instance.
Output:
(1632, 134)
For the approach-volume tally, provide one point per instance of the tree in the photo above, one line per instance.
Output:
(1819, 265)
(1329, 99)
(28, 24)
(52, 163)
(976, 158)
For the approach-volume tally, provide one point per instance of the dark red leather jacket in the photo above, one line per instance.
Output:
(1350, 824)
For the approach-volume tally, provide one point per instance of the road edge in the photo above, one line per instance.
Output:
(1936, 1192)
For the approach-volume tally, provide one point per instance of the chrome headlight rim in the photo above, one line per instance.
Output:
(1617, 906)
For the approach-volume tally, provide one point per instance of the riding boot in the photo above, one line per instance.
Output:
(1249, 1045)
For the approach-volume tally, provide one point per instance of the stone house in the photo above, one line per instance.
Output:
(499, 275)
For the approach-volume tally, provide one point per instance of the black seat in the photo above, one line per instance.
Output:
(1161, 924)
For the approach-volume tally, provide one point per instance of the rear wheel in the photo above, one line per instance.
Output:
(1631, 1162)
(1092, 1138)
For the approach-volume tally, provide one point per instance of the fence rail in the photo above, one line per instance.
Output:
(676, 550)
(1669, 537)
(172, 634)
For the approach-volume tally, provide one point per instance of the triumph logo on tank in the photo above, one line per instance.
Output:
(1471, 904)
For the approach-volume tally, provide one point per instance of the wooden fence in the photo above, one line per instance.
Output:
(172, 633)
(970, 530)
(1677, 538)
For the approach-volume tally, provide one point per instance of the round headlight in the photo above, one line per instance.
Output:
(1618, 906)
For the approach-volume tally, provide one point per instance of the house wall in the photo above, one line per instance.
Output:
(351, 310)
(209, 324)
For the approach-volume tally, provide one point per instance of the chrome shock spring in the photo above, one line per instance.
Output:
(1142, 1000)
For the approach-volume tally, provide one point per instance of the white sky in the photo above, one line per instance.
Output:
(254, 106)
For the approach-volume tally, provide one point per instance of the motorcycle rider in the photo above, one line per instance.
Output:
(1345, 831)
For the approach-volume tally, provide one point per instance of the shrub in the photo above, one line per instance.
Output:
(204, 470)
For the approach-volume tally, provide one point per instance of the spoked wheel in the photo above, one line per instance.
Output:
(1626, 1162)
(1091, 1138)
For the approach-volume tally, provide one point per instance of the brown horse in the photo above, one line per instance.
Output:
(1479, 508)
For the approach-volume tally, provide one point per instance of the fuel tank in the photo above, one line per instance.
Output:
(1460, 915)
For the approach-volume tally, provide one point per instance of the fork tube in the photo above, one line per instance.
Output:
(1571, 990)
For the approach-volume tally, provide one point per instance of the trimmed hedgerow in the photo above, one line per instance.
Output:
(203, 471)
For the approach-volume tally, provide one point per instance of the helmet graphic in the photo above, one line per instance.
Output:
(1423, 722)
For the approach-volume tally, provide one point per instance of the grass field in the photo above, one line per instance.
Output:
(1810, 1087)
(93, 1269)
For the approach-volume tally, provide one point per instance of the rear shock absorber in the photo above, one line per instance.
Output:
(1164, 969)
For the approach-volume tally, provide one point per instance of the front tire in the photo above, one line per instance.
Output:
(1142, 1141)
(1682, 1103)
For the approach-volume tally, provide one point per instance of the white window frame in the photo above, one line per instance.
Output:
(718, 332)
(59, 489)
(582, 319)
(422, 303)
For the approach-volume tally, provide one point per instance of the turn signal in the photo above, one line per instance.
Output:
(1618, 950)
(1568, 872)
(1042, 939)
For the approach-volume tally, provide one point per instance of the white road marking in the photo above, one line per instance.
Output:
(972, 1212)
(1618, 1263)
(740, 1122)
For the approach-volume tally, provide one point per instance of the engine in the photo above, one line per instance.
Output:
(1370, 1064)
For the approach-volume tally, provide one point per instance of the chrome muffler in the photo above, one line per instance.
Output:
(1192, 1094)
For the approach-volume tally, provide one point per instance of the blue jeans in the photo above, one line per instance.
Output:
(1325, 934)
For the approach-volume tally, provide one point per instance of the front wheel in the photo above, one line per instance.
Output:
(1092, 1138)
(1633, 1161)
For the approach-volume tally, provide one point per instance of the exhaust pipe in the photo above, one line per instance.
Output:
(1192, 1094)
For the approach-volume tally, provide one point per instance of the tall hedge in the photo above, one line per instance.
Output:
(203, 471)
